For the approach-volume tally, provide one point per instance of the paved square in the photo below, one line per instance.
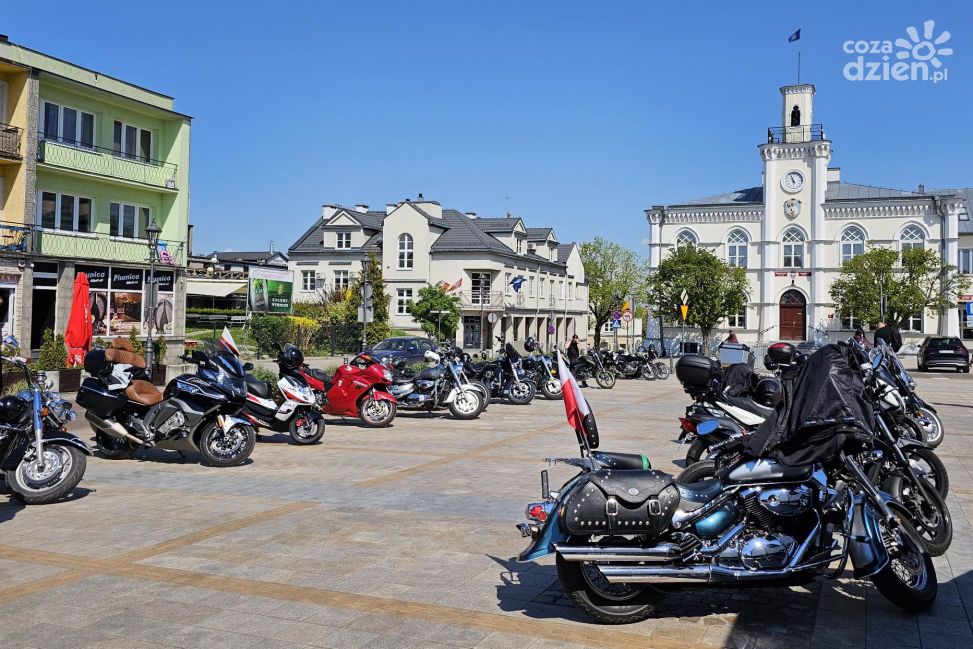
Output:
(403, 537)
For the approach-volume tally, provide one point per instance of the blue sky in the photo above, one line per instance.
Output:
(573, 114)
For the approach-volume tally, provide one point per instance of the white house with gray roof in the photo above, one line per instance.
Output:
(420, 243)
(793, 232)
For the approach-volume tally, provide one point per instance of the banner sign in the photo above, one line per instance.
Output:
(270, 290)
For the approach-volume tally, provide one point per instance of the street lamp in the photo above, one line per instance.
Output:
(152, 232)
(439, 321)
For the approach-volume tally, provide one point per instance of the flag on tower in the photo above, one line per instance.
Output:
(796, 36)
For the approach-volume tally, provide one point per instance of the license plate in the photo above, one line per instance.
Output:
(947, 351)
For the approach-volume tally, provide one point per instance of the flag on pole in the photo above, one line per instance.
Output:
(796, 36)
(576, 406)
(227, 342)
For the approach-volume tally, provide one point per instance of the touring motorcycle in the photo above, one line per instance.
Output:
(297, 412)
(440, 383)
(618, 532)
(196, 412)
(359, 388)
(40, 460)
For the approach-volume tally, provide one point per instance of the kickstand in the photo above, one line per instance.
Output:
(182, 454)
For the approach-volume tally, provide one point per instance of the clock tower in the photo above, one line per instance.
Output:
(795, 158)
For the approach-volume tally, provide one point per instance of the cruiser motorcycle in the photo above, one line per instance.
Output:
(543, 371)
(589, 365)
(505, 375)
(439, 384)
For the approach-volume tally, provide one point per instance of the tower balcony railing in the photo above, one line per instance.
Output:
(107, 163)
(795, 134)
(10, 137)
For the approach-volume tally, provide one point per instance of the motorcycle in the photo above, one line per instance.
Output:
(437, 385)
(659, 367)
(359, 388)
(504, 376)
(196, 412)
(542, 371)
(296, 412)
(923, 413)
(590, 365)
(41, 462)
(617, 532)
(630, 366)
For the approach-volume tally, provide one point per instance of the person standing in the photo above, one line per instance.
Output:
(889, 335)
(861, 339)
(574, 353)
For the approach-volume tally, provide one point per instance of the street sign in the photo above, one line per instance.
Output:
(616, 315)
(550, 328)
(684, 309)
(367, 290)
(492, 317)
(684, 296)
(616, 324)
(969, 308)
(366, 315)
(627, 316)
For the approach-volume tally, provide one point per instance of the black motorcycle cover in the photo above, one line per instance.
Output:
(739, 380)
(822, 404)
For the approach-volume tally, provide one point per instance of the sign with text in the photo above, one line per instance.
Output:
(270, 290)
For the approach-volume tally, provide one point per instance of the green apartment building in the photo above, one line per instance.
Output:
(86, 163)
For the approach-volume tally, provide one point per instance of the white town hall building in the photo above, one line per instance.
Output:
(793, 232)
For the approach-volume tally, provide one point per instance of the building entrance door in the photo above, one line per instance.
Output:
(472, 332)
(793, 316)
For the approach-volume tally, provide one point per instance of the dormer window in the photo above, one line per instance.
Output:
(520, 246)
(344, 240)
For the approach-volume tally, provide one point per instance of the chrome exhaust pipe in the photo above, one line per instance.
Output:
(673, 575)
(663, 552)
(112, 428)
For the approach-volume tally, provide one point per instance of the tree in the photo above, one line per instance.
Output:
(379, 328)
(425, 310)
(613, 273)
(921, 282)
(714, 290)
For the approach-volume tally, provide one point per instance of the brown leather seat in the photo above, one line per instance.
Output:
(121, 351)
(143, 392)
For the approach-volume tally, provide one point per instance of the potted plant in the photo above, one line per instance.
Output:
(160, 349)
(53, 359)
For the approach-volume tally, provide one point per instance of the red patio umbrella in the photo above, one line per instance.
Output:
(77, 337)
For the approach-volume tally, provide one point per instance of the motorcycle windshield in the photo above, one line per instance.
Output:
(229, 363)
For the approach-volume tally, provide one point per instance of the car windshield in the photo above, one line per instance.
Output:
(391, 344)
(943, 343)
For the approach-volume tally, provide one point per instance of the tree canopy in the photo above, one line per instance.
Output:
(613, 273)
(920, 282)
(714, 290)
(430, 300)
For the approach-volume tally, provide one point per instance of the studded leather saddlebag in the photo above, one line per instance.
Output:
(621, 502)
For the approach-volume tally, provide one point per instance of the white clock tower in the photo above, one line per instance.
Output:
(796, 155)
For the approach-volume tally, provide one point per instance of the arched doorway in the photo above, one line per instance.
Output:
(793, 316)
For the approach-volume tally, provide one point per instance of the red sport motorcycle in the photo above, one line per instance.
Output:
(357, 389)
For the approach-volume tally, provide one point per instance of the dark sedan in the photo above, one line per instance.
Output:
(410, 348)
(943, 352)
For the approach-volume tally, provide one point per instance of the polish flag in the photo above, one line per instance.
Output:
(576, 406)
(227, 342)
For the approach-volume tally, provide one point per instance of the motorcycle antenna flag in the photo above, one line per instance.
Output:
(227, 342)
(576, 406)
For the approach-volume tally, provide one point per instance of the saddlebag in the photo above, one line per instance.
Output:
(621, 502)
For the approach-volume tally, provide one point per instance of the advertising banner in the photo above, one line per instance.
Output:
(270, 290)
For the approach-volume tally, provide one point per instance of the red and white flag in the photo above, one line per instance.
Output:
(575, 405)
(227, 342)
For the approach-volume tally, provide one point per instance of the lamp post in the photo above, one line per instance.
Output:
(439, 321)
(152, 232)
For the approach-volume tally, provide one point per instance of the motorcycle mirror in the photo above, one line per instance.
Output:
(248, 367)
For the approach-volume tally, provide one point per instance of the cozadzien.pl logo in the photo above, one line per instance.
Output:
(917, 57)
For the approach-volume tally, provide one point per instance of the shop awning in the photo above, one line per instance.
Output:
(214, 287)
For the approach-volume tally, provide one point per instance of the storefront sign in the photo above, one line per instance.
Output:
(6, 278)
(270, 290)
(119, 300)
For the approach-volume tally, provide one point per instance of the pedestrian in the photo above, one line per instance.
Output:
(574, 353)
(732, 338)
(860, 338)
(889, 335)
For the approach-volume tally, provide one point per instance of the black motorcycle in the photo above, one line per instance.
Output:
(543, 372)
(41, 461)
(505, 376)
(440, 384)
(658, 365)
(590, 366)
(197, 412)
(923, 413)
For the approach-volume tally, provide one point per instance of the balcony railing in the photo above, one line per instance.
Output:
(795, 134)
(482, 300)
(10, 137)
(98, 161)
(30, 240)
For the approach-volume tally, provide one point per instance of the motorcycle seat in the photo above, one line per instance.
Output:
(475, 368)
(694, 495)
(399, 379)
(315, 373)
(257, 387)
(611, 460)
(430, 373)
(748, 404)
(143, 392)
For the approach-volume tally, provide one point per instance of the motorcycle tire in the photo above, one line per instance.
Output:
(113, 448)
(648, 373)
(549, 391)
(697, 472)
(309, 431)
(375, 413)
(487, 392)
(605, 379)
(697, 450)
(927, 512)
(42, 488)
(909, 428)
(662, 371)
(917, 594)
(929, 467)
(589, 592)
(211, 437)
(467, 405)
(521, 393)
(934, 429)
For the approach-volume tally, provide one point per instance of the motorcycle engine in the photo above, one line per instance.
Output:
(766, 551)
(175, 421)
(424, 385)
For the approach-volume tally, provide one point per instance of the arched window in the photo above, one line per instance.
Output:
(912, 237)
(736, 249)
(852, 243)
(686, 238)
(793, 248)
(405, 250)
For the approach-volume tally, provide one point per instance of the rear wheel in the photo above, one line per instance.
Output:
(696, 450)
(113, 448)
(376, 413)
(605, 379)
(229, 448)
(608, 603)
(307, 427)
(467, 405)
(40, 485)
(909, 580)
(703, 470)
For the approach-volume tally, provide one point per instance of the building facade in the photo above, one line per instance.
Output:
(220, 279)
(87, 162)
(793, 232)
(510, 279)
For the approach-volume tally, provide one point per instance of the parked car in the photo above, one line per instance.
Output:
(411, 348)
(943, 352)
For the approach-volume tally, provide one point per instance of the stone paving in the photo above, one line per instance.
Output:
(403, 537)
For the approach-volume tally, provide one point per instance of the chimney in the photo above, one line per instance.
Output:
(922, 188)
(327, 211)
(471, 215)
(361, 207)
(271, 246)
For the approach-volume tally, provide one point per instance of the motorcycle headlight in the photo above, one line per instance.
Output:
(387, 375)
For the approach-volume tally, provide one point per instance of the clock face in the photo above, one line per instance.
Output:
(792, 181)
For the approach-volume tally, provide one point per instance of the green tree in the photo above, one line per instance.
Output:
(613, 273)
(922, 281)
(379, 328)
(713, 289)
(425, 310)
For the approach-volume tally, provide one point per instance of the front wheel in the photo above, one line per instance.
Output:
(307, 427)
(607, 603)
(926, 511)
(62, 471)
(927, 466)
(605, 379)
(228, 448)
(909, 580)
(521, 393)
(931, 425)
(648, 372)
(376, 413)
(662, 370)
(551, 388)
(467, 405)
